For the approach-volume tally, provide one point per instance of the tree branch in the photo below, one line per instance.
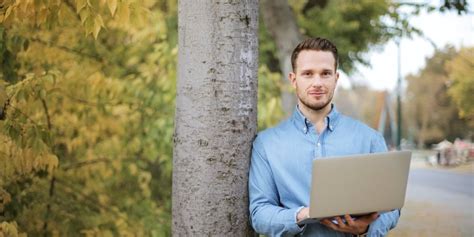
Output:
(53, 179)
(98, 160)
(69, 50)
(93, 202)
(48, 118)
(85, 163)
(25, 115)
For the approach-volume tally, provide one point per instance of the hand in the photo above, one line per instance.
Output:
(353, 226)
(302, 214)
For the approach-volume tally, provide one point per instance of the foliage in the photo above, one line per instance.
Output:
(460, 70)
(355, 26)
(269, 104)
(352, 25)
(358, 102)
(10, 230)
(86, 116)
(461, 6)
(431, 115)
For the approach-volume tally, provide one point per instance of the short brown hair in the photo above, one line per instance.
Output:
(319, 44)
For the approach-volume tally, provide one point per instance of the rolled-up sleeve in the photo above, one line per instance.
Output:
(383, 224)
(267, 216)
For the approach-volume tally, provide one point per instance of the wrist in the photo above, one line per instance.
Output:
(363, 233)
(302, 214)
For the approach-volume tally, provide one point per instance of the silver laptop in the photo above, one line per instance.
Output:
(358, 184)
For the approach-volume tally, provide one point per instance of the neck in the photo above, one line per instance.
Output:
(317, 117)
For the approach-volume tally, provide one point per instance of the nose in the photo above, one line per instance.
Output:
(316, 81)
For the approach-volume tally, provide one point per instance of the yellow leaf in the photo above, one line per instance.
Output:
(133, 169)
(80, 4)
(96, 30)
(112, 6)
(83, 15)
(98, 24)
(98, 19)
(53, 163)
(42, 16)
(5, 198)
(9, 10)
(25, 4)
(89, 25)
(103, 199)
(8, 229)
(3, 96)
(87, 233)
(123, 13)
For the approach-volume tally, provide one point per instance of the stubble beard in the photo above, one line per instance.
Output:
(315, 106)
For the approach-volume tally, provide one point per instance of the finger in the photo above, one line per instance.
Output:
(329, 224)
(324, 220)
(349, 220)
(369, 218)
(374, 216)
(340, 222)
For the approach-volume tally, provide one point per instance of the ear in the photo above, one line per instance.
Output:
(292, 79)
(337, 76)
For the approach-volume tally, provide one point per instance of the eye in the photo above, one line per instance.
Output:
(326, 73)
(307, 73)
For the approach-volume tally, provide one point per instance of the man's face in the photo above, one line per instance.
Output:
(315, 78)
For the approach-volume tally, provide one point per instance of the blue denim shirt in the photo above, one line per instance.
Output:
(280, 171)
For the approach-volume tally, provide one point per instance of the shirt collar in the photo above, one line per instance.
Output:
(303, 124)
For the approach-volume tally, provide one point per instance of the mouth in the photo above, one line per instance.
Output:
(316, 93)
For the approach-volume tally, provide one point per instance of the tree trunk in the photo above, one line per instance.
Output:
(423, 130)
(216, 117)
(281, 23)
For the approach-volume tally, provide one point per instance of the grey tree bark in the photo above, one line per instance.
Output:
(216, 116)
(281, 23)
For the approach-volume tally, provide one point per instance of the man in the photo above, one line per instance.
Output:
(280, 171)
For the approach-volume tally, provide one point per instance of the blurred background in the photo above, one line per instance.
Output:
(87, 91)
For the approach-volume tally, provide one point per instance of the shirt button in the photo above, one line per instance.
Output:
(319, 144)
(305, 129)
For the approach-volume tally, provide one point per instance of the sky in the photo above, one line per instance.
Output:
(441, 28)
